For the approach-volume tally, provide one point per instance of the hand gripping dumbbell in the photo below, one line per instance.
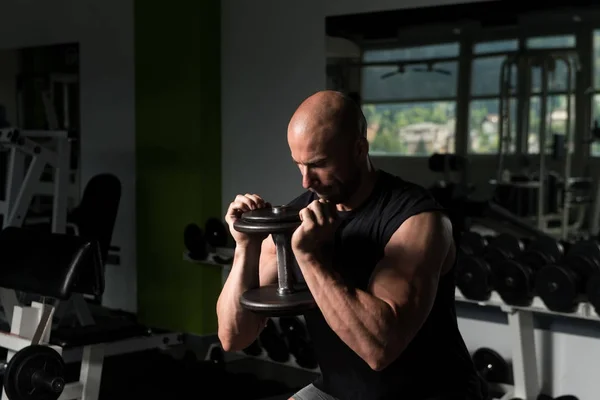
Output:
(474, 275)
(562, 285)
(514, 280)
(288, 296)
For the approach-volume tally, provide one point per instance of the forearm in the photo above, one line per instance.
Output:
(238, 327)
(364, 322)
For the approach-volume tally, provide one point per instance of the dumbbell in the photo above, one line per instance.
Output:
(474, 275)
(491, 366)
(296, 335)
(514, 280)
(34, 372)
(287, 297)
(561, 285)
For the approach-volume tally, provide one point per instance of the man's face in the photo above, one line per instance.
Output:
(329, 167)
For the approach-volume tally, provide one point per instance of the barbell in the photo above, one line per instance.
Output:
(288, 296)
(36, 372)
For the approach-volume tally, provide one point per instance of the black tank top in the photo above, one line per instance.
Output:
(436, 365)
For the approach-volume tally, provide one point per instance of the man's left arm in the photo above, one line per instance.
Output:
(378, 324)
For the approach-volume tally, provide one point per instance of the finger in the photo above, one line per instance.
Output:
(236, 209)
(258, 201)
(329, 211)
(246, 200)
(308, 218)
(317, 209)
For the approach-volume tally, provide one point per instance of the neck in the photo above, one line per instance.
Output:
(368, 178)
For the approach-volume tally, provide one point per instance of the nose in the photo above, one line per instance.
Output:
(307, 178)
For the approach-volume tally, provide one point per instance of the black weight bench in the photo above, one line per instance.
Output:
(53, 266)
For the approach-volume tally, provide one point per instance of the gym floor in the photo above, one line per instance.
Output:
(154, 374)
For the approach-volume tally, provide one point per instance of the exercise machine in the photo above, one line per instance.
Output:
(23, 183)
(542, 197)
(53, 266)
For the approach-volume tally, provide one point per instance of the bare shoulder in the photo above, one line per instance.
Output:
(418, 248)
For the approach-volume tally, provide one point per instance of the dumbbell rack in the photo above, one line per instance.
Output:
(522, 336)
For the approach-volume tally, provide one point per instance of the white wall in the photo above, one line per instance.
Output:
(104, 31)
(273, 56)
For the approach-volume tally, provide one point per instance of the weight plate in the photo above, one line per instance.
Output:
(557, 287)
(273, 343)
(292, 327)
(535, 259)
(502, 247)
(472, 243)
(474, 278)
(514, 283)
(593, 292)
(215, 232)
(491, 365)
(267, 301)
(35, 373)
(277, 219)
(551, 249)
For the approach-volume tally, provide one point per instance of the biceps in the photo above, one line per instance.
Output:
(268, 263)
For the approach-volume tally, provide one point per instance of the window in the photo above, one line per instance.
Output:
(484, 104)
(484, 122)
(411, 129)
(410, 106)
(446, 50)
(498, 46)
(389, 83)
(550, 42)
(556, 121)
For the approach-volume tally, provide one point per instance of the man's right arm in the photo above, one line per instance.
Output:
(253, 265)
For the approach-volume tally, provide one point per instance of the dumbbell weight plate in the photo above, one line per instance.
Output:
(558, 288)
(514, 283)
(491, 365)
(267, 301)
(472, 243)
(25, 370)
(474, 278)
(279, 219)
(502, 247)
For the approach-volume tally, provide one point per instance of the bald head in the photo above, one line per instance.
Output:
(328, 115)
(327, 139)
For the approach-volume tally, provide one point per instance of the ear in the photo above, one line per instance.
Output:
(362, 147)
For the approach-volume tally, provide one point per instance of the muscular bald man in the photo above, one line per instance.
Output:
(377, 254)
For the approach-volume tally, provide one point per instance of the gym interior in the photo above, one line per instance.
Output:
(126, 129)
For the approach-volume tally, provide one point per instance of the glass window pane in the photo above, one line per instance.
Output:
(556, 121)
(486, 75)
(496, 46)
(389, 83)
(484, 121)
(549, 42)
(557, 78)
(411, 129)
(447, 50)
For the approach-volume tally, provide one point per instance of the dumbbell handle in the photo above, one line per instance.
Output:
(54, 384)
(285, 259)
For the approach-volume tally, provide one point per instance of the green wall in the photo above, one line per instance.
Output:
(178, 158)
